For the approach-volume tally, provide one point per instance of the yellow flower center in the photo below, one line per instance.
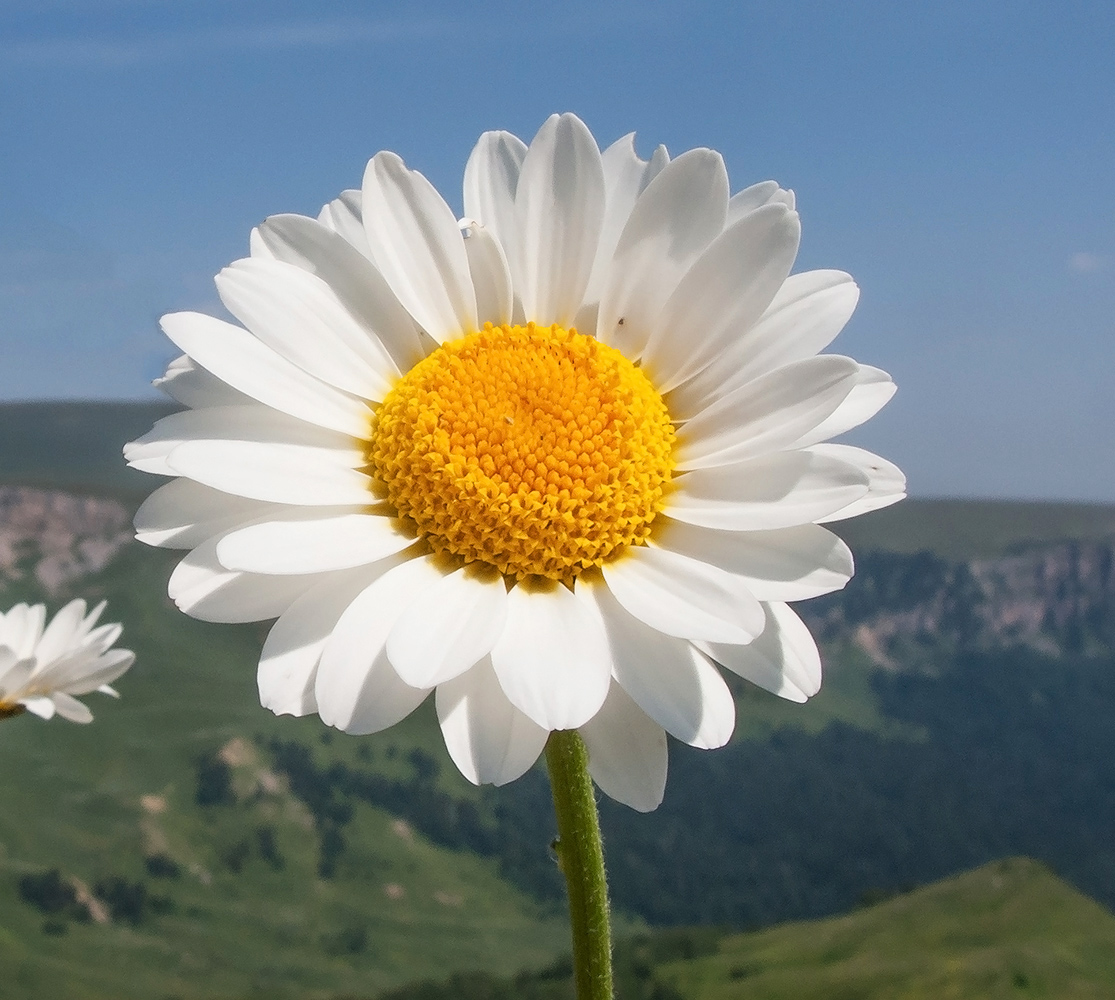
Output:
(10, 708)
(537, 450)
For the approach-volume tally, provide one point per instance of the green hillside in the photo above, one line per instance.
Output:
(224, 899)
(75, 444)
(960, 530)
(1008, 930)
(238, 855)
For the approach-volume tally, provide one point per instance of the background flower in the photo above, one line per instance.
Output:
(558, 460)
(43, 668)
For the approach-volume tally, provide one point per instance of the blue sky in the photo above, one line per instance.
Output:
(956, 158)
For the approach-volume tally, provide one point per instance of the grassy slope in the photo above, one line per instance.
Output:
(975, 529)
(71, 794)
(1008, 929)
(75, 444)
(72, 799)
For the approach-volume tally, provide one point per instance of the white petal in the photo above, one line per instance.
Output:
(552, 659)
(872, 391)
(417, 246)
(42, 707)
(627, 754)
(559, 206)
(625, 178)
(288, 663)
(149, 452)
(491, 178)
(14, 674)
(254, 452)
(487, 263)
(787, 564)
(749, 199)
(684, 597)
(99, 640)
(279, 473)
(344, 215)
(886, 482)
(256, 246)
(783, 660)
(356, 688)
(252, 425)
(203, 588)
(299, 316)
(23, 627)
(312, 541)
(92, 618)
(353, 279)
(773, 491)
(769, 414)
(678, 215)
(61, 635)
(488, 738)
(193, 386)
(724, 293)
(668, 679)
(103, 670)
(182, 514)
(70, 708)
(249, 365)
(8, 659)
(805, 316)
(81, 673)
(450, 627)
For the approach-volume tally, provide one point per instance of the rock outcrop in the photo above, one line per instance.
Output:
(58, 537)
(1057, 598)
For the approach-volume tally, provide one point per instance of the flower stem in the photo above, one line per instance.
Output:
(581, 858)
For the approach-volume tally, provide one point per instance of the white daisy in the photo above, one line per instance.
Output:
(41, 669)
(556, 461)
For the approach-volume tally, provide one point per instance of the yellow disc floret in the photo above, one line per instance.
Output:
(537, 450)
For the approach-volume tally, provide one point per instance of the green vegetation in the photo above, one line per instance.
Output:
(975, 529)
(190, 844)
(1008, 930)
(76, 444)
(169, 812)
(216, 836)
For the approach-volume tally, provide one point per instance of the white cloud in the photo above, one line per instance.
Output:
(1088, 263)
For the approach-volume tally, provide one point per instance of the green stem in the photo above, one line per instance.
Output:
(581, 857)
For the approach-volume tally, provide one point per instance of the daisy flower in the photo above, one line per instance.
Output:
(41, 669)
(560, 461)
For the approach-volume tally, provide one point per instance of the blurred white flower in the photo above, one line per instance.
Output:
(558, 460)
(42, 669)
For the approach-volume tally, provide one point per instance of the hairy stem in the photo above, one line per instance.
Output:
(581, 857)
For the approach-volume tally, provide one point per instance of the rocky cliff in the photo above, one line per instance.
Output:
(1056, 598)
(58, 537)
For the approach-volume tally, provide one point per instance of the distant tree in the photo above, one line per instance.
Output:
(125, 900)
(50, 893)
(268, 847)
(162, 866)
(214, 781)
